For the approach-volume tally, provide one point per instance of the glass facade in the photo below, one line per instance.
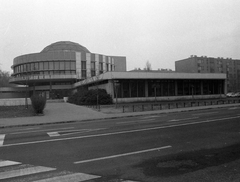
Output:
(52, 67)
(168, 87)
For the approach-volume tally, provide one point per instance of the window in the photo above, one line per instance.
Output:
(62, 66)
(107, 67)
(67, 65)
(93, 73)
(36, 66)
(100, 66)
(32, 66)
(51, 65)
(45, 64)
(84, 74)
(73, 65)
(41, 65)
(56, 65)
(93, 65)
(83, 65)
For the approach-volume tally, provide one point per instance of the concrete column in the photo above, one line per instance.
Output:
(176, 88)
(146, 88)
(78, 65)
(88, 65)
(97, 63)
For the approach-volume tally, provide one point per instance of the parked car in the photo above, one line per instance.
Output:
(230, 94)
(237, 94)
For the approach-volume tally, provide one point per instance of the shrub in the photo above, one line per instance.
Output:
(38, 103)
(89, 97)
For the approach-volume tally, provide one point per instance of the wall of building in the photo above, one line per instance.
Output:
(188, 65)
(205, 64)
(120, 63)
(14, 101)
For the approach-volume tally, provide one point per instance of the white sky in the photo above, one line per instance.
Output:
(158, 31)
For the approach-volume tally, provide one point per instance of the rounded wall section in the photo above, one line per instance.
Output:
(44, 64)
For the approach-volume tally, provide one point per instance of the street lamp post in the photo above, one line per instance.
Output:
(26, 94)
(116, 85)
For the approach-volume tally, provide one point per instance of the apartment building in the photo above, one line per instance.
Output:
(204, 64)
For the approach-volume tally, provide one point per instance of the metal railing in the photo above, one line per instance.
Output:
(174, 104)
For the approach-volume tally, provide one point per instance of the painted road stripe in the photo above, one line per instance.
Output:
(24, 172)
(53, 134)
(124, 122)
(15, 133)
(121, 132)
(184, 119)
(72, 132)
(122, 155)
(70, 178)
(205, 113)
(8, 163)
(2, 139)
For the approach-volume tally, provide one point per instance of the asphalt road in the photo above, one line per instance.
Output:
(165, 147)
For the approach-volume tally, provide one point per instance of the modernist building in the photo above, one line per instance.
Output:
(58, 66)
(151, 86)
(64, 67)
(230, 67)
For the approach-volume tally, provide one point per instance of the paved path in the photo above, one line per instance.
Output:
(65, 112)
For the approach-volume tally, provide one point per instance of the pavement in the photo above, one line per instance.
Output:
(62, 112)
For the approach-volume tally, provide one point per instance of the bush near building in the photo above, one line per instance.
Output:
(38, 103)
(89, 97)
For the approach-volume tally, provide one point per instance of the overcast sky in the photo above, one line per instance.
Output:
(158, 31)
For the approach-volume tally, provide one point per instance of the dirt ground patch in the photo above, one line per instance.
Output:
(221, 164)
(15, 111)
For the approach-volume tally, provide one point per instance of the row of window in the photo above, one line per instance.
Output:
(59, 72)
(168, 88)
(59, 65)
(46, 65)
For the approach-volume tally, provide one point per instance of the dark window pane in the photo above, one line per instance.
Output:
(93, 65)
(83, 65)
(84, 74)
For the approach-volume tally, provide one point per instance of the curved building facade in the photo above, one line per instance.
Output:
(58, 66)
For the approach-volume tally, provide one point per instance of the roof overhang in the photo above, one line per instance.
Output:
(150, 75)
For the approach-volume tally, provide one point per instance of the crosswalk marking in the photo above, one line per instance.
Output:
(25, 171)
(77, 177)
(2, 139)
(8, 163)
(11, 170)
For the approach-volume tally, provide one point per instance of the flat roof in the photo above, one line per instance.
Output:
(150, 75)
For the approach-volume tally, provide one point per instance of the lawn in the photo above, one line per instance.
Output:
(15, 111)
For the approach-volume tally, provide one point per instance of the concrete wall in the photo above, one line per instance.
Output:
(120, 63)
(180, 66)
(14, 102)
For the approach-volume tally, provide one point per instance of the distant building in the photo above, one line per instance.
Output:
(65, 67)
(203, 64)
(54, 70)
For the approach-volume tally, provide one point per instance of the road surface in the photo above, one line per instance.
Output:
(164, 147)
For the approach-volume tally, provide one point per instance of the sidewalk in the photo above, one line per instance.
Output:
(65, 112)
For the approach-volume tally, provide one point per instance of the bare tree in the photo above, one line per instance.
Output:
(4, 78)
(148, 66)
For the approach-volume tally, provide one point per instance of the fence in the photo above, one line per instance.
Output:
(172, 105)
